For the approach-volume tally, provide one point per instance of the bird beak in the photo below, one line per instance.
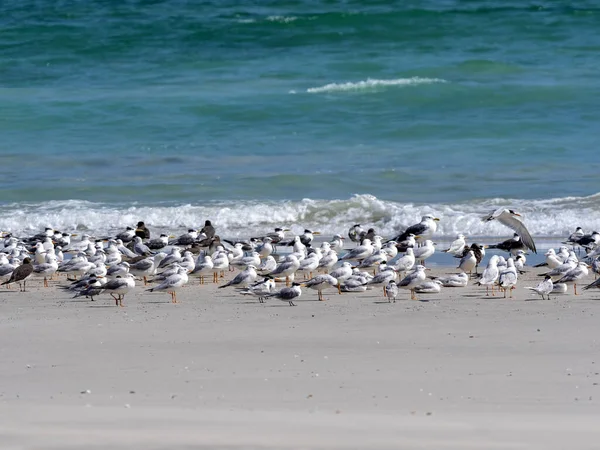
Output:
(316, 233)
(436, 219)
(303, 284)
(417, 237)
(516, 214)
(427, 268)
(486, 246)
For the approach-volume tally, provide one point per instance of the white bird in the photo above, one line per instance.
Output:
(412, 280)
(391, 291)
(286, 268)
(147, 267)
(385, 275)
(377, 258)
(172, 284)
(310, 263)
(118, 270)
(359, 253)
(322, 282)
(490, 275)
(337, 243)
(545, 287)
(267, 265)
(243, 279)
(559, 288)
(508, 277)
(343, 272)
(260, 289)
(458, 246)
(404, 263)
(510, 219)
(454, 280)
(424, 251)
(328, 260)
(574, 275)
(429, 287)
(204, 266)
(468, 262)
(391, 249)
(266, 248)
(120, 287)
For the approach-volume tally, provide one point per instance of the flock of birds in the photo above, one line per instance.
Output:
(111, 264)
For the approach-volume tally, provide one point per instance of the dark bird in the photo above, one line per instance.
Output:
(370, 234)
(510, 219)
(424, 229)
(208, 230)
(142, 231)
(478, 251)
(288, 294)
(354, 233)
(510, 245)
(21, 273)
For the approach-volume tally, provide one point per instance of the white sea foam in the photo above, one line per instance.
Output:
(371, 83)
(544, 218)
(282, 19)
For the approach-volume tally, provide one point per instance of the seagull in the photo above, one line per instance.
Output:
(286, 268)
(359, 253)
(404, 263)
(288, 294)
(147, 267)
(468, 262)
(490, 275)
(172, 283)
(413, 279)
(243, 279)
(21, 273)
(454, 280)
(127, 235)
(511, 245)
(307, 237)
(391, 291)
(429, 287)
(552, 260)
(46, 269)
(266, 248)
(508, 277)
(423, 229)
(457, 246)
(385, 275)
(409, 242)
(337, 243)
(510, 219)
(424, 251)
(267, 265)
(354, 233)
(120, 287)
(544, 287)
(343, 272)
(328, 260)
(574, 275)
(204, 266)
(260, 289)
(321, 282)
(158, 243)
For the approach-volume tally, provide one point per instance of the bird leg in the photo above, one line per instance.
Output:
(287, 281)
(493, 295)
(487, 289)
(385, 291)
(292, 303)
(45, 282)
(145, 280)
(511, 289)
(339, 288)
(575, 288)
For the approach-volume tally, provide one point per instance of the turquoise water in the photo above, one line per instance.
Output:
(114, 109)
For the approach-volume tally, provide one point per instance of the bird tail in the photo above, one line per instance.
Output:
(544, 264)
(6, 282)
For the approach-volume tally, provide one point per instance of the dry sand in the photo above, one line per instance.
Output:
(455, 370)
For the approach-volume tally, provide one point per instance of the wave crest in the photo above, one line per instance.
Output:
(371, 83)
(544, 218)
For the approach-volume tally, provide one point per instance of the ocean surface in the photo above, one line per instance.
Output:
(299, 113)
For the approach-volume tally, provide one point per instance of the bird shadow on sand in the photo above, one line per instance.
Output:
(383, 303)
(102, 306)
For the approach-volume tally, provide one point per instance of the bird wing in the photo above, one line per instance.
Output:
(505, 218)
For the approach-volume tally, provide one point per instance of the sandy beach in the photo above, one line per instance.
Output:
(454, 370)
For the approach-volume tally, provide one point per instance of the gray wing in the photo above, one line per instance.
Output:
(286, 294)
(515, 224)
(144, 264)
(595, 284)
(407, 280)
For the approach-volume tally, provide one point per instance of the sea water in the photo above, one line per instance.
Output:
(301, 113)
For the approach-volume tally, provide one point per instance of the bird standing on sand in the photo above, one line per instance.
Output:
(574, 275)
(172, 284)
(412, 280)
(391, 291)
(508, 277)
(119, 286)
(510, 219)
(490, 275)
(21, 274)
(322, 282)
(243, 279)
(288, 294)
(545, 287)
